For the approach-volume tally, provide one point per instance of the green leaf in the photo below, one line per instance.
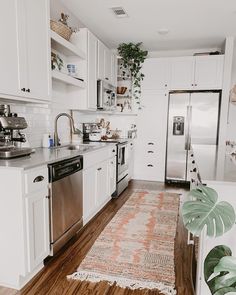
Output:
(205, 211)
(213, 258)
(220, 270)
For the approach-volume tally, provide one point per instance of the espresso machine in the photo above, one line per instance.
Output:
(11, 137)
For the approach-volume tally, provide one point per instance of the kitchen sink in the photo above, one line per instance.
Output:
(78, 147)
(73, 147)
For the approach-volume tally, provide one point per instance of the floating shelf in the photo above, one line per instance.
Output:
(112, 113)
(119, 77)
(67, 79)
(65, 47)
(124, 96)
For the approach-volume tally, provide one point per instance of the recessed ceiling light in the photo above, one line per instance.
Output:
(163, 31)
(119, 12)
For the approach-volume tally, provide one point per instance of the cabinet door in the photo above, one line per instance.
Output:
(92, 71)
(107, 65)
(112, 175)
(102, 183)
(89, 193)
(11, 32)
(114, 70)
(209, 72)
(131, 159)
(37, 217)
(182, 73)
(157, 74)
(38, 49)
(150, 149)
(101, 60)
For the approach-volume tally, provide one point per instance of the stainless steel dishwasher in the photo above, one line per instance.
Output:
(66, 200)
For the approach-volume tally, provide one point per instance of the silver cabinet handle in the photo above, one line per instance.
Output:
(38, 178)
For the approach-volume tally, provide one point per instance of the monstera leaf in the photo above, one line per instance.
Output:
(205, 211)
(220, 271)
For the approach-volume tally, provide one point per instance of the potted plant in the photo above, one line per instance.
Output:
(203, 211)
(133, 57)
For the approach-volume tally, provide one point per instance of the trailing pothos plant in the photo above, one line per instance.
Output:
(204, 211)
(132, 59)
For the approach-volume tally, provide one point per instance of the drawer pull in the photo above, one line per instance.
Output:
(150, 143)
(151, 152)
(191, 155)
(194, 169)
(150, 165)
(113, 151)
(38, 179)
(193, 162)
(99, 169)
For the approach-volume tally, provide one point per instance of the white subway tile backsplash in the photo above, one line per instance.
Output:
(40, 120)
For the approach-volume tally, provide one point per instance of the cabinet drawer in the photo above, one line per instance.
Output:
(36, 179)
(98, 156)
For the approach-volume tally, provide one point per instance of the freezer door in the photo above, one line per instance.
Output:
(177, 138)
(205, 114)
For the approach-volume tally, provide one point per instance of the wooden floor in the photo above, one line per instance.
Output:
(52, 279)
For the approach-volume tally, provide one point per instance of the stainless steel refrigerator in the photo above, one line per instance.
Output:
(193, 119)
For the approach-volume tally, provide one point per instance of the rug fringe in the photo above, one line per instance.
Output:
(122, 282)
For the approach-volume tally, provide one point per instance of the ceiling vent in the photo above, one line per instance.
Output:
(119, 12)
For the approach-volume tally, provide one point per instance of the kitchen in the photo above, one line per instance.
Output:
(78, 140)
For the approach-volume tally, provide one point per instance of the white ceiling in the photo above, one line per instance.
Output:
(193, 24)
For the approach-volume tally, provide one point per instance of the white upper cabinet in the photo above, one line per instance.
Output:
(92, 71)
(38, 44)
(10, 29)
(157, 74)
(114, 69)
(182, 73)
(209, 72)
(197, 72)
(107, 64)
(101, 60)
(25, 52)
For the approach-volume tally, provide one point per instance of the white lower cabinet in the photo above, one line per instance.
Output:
(24, 224)
(102, 183)
(37, 225)
(150, 150)
(131, 159)
(99, 181)
(89, 193)
(112, 175)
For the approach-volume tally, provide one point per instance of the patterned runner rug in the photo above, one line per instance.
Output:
(136, 249)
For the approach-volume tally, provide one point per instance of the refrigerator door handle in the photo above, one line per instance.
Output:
(188, 132)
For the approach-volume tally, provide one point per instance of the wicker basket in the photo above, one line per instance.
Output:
(61, 29)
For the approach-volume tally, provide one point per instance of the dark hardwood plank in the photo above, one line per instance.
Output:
(52, 279)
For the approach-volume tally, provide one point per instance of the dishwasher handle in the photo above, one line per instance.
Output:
(64, 168)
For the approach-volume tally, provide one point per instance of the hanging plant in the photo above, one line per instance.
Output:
(132, 59)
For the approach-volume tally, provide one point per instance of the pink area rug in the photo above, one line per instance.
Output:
(136, 249)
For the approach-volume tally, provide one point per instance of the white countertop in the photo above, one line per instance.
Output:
(214, 163)
(44, 156)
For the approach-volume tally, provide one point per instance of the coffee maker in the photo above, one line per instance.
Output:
(11, 137)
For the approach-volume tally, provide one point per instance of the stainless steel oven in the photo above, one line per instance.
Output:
(122, 167)
(66, 200)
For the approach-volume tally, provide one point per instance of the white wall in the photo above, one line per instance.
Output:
(231, 132)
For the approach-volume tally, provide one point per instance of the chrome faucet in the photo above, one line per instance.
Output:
(73, 130)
